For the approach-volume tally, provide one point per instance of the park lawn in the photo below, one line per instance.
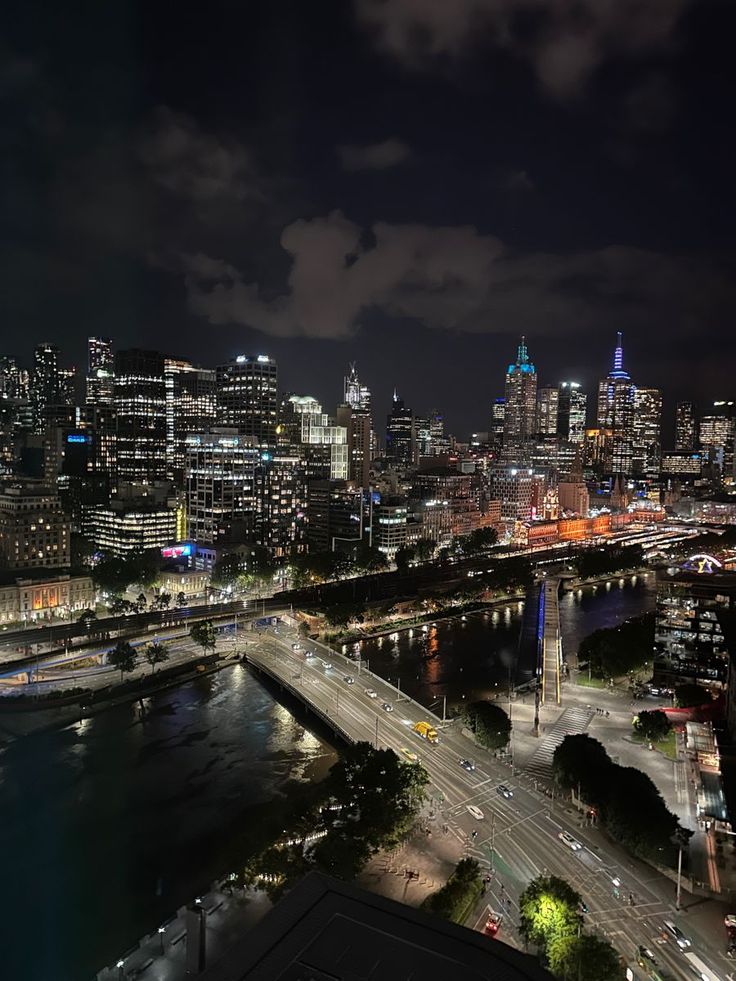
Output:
(587, 682)
(666, 746)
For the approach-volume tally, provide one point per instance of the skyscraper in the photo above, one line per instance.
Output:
(498, 415)
(191, 407)
(247, 396)
(718, 435)
(357, 396)
(521, 402)
(140, 402)
(355, 415)
(400, 441)
(685, 426)
(572, 409)
(52, 388)
(647, 432)
(548, 400)
(100, 370)
(616, 394)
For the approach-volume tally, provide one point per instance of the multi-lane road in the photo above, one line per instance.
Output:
(517, 836)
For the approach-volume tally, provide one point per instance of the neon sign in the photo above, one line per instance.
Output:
(702, 564)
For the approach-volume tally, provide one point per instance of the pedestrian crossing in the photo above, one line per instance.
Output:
(572, 722)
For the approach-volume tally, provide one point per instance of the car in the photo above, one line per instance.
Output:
(567, 839)
(387, 707)
(504, 791)
(681, 940)
(326, 664)
(309, 654)
(371, 693)
(411, 757)
(475, 812)
(615, 879)
(467, 765)
(296, 647)
(349, 680)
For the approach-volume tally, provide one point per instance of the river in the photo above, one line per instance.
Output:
(471, 657)
(108, 825)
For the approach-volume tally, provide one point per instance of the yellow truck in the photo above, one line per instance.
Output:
(426, 731)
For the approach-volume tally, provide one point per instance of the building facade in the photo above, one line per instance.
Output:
(572, 410)
(520, 414)
(34, 530)
(686, 426)
(140, 407)
(220, 475)
(247, 396)
(122, 527)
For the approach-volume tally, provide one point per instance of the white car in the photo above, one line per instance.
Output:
(680, 939)
(475, 812)
(308, 654)
(326, 664)
(348, 680)
(371, 693)
(387, 707)
(567, 839)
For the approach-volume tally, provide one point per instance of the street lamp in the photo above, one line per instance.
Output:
(161, 932)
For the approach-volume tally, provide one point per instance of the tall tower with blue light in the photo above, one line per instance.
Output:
(521, 401)
(616, 404)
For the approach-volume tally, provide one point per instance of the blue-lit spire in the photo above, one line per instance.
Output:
(618, 359)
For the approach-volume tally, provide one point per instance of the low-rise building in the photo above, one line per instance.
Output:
(38, 599)
(122, 527)
(193, 583)
(34, 530)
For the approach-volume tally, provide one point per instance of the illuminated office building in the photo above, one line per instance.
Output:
(400, 436)
(646, 438)
(572, 408)
(52, 389)
(521, 401)
(100, 371)
(548, 399)
(498, 415)
(191, 407)
(718, 434)
(140, 403)
(616, 395)
(220, 473)
(247, 396)
(686, 429)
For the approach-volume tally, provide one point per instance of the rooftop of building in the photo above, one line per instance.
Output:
(325, 930)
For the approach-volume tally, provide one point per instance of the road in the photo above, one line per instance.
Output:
(516, 837)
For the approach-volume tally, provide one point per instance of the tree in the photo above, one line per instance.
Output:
(425, 549)
(122, 657)
(688, 695)
(112, 575)
(652, 725)
(614, 651)
(581, 763)
(459, 894)
(181, 599)
(141, 602)
(369, 559)
(549, 913)
(403, 557)
(477, 541)
(163, 601)
(204, 635)
(585, 958)
(87, 618)
(489, 724)
(227, 569)
(155, 653)
(341, 614)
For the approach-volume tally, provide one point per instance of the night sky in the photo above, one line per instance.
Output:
(409, 184)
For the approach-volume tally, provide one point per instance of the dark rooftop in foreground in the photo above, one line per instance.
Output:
(325, 930)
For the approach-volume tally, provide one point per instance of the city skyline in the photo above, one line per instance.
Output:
(388, 199)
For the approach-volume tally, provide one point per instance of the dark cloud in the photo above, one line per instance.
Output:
(374, 156)
(564, 41)
(456, 278)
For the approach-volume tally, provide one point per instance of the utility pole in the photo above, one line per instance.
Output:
(398, 688)
(376, 732)
(679, 875)
(444, 708)
(493, 840)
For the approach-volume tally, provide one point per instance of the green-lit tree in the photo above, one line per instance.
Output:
(122, 657)
(652, 725)
(204, 635)
(549, 912)
(155, 653)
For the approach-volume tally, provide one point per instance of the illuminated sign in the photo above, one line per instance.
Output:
(702, 564)
(178, 551)
(77, 438)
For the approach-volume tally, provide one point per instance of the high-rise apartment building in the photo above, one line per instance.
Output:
(646, 436)
(100, 371)
(498, 415)
(686, 429)
(521, 403)
(191, 407)
(616, 395)
(309, 426)
(140, 402)
(400, 436)
(221, 486)
(247, 396)
(572, 409)
(548, 400)
(693, 603)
